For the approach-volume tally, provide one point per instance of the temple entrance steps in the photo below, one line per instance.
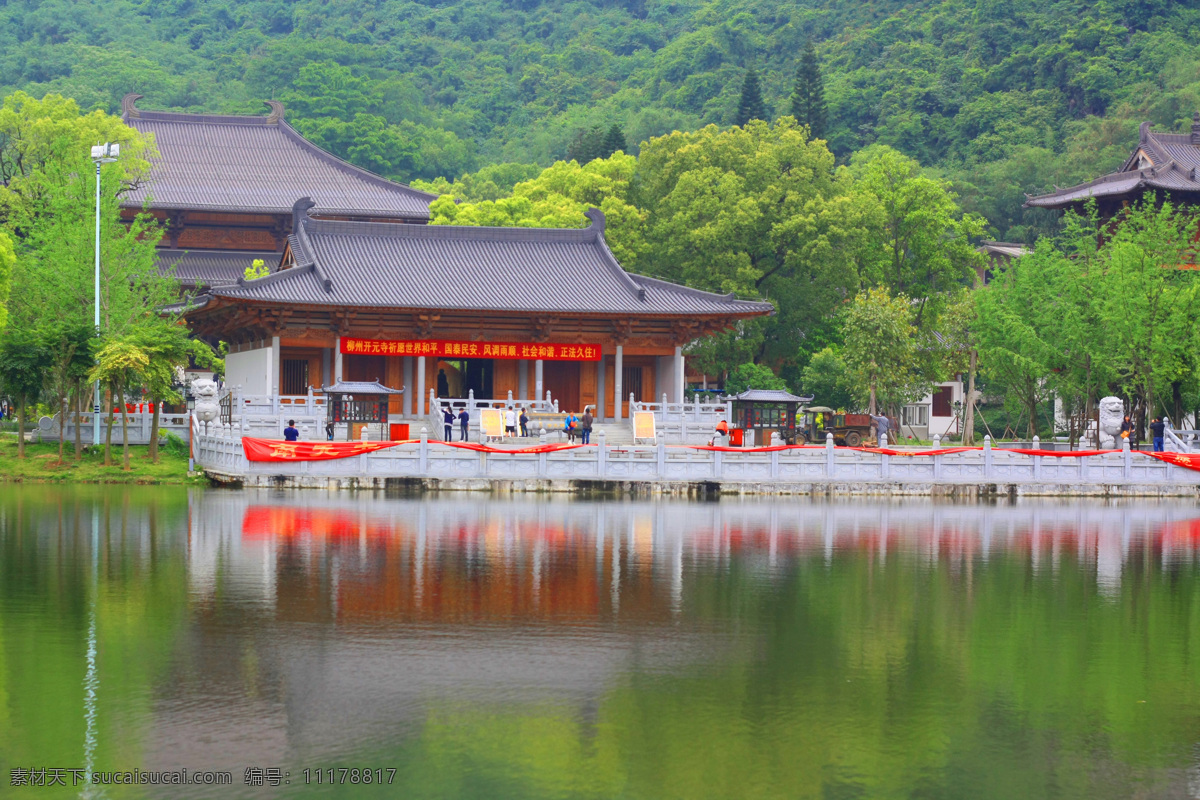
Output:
(617, 432)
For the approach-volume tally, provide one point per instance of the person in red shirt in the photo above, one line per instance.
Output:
(722, 429)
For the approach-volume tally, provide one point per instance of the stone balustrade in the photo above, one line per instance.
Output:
(790, 470)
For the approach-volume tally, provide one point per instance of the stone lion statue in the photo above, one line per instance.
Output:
(1112, 414)
(205, 392)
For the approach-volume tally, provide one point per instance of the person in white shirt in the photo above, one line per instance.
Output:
(510, 423)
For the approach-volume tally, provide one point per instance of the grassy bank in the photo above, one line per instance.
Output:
(41, 465)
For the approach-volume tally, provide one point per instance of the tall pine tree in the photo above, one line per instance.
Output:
(808, 98)
(751, 105)
(614, 140)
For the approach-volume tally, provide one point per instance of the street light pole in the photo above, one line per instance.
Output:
(102, 154)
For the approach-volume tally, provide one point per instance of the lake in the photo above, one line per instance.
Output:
(544, 647)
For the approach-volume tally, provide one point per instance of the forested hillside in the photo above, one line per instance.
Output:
(1002, 96)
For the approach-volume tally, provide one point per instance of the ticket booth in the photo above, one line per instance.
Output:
(358, 404)
(766, 410)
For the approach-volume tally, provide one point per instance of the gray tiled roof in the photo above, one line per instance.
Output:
(211, 267)
(359, 387)
(466, 268)
(771, 396)
(1005, 249)
(257, 165)
(1175, 162)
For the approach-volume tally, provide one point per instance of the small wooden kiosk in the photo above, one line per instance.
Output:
(358, 403)
(767, 410)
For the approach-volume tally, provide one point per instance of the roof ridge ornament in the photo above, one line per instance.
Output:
(129, 107)
(597, 219)
(1144, 132)
(300, 212)
(1195, 137)
(276, 115)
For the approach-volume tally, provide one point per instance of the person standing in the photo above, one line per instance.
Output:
(464, 422)
(882, 426)
(1157, 427)
(524, 419)
(510, 423)
(447, 422)
(586, 424)
(1127, 430)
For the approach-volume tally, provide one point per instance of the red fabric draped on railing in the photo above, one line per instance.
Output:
(275, 450)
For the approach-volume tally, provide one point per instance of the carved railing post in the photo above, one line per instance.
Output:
(601, 454)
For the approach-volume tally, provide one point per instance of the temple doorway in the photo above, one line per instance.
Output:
(458, 377)
(561, 379)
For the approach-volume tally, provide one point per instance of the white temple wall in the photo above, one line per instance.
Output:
(249, 369)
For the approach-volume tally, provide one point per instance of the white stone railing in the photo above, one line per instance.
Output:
(140, 424)
(263, 405)
(220, 450)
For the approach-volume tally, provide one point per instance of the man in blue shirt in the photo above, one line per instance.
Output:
(290, 432)
(464, 420)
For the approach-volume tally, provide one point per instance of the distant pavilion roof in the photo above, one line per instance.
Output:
(210, 162)
(359, 387)
(770, 396)
(193, 268)
(444, 267)
(1162, 161)
(1003, 249)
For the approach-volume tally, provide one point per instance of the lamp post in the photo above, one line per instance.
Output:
(102, 154)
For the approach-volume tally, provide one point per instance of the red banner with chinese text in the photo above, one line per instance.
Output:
(275, 450)
(436, 348)
(1184, 460)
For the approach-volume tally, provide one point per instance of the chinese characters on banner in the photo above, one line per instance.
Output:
(449, 349)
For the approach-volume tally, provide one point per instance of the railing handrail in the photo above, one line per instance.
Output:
(220, 450)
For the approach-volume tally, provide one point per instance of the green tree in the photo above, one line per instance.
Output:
(881, 350)
(808, 95)
(924, 243)
(750, 104)
(8, 258)
(826, 378)
(40, 138)
(1016, 345)
(24, 360)
(752, 376)
(588, 145)
(68, 342)
(257, 269)
(558, 198)
(760, 211)
(614, 140)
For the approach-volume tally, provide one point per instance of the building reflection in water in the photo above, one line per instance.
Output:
(319, 558)
(237, 628)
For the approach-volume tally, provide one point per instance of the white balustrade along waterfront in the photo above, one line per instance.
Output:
(140, 423)
(220, 451)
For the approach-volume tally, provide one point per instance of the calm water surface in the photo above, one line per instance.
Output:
(552, 648)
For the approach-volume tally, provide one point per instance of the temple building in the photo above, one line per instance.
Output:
(223, 187)
(461, 310)
(1163, 163)
(362, 289)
